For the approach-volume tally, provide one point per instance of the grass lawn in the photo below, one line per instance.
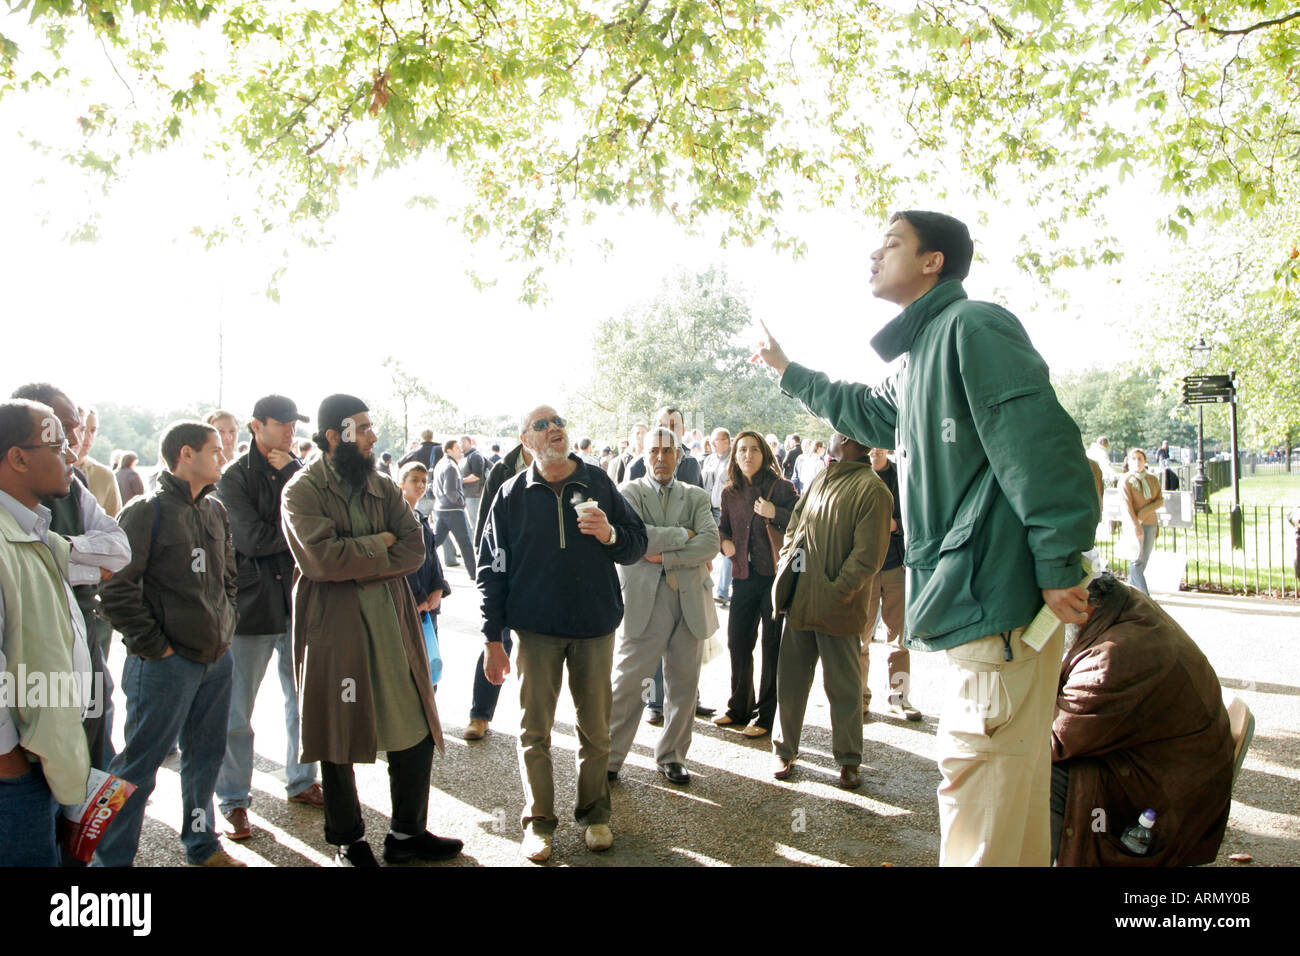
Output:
(1262, 490)
(1267, 562)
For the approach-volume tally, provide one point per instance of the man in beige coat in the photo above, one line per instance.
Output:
(834, 545)
(360, 662)
(668, 607)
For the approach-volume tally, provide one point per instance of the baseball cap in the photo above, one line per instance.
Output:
(278, 407)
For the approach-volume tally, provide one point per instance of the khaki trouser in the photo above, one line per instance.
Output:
(994, 752)
(540, 660)
(794, 679)
(886, 594)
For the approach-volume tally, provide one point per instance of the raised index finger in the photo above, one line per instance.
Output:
(765, 330)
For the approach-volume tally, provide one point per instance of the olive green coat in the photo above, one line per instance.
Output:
(834, 545)
(329, 636)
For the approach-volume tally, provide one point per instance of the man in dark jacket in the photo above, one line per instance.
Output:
(175, 607)
(887, 597)
(428, 452)
(546, 570)
(483, 706)
(793, 449)
(250, 488)
(1140, 725)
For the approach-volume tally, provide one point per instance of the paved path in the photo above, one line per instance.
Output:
(734, 813)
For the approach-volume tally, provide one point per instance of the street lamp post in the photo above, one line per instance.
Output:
(1199, 483)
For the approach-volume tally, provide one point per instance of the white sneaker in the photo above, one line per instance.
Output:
(599, 837)
(536, 846)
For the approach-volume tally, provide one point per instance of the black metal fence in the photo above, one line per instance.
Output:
(1265, 565)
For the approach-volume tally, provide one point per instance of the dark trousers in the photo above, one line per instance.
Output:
(1060, 790)
(484, 704)
(96, 722)
(408, 785)
(454, 524)
(751, 604)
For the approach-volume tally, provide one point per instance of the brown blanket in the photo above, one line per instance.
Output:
(1142, 723)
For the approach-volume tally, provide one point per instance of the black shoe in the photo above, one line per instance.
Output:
(655, 718)
(611, 775)
(426, 846)
(356, 854)
(702, 711)
(676, 773)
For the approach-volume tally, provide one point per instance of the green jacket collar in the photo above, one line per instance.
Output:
(897, 337)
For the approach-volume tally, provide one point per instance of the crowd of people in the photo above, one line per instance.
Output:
(919, 511)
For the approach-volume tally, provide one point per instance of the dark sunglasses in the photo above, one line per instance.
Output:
(544, 423)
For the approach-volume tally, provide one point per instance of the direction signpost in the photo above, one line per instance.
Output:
(1201, 390)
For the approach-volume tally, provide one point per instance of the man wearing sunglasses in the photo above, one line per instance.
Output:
(546, 571)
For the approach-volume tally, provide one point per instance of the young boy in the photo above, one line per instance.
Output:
(428, 583)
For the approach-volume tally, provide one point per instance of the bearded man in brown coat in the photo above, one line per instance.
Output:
(1140, 725)
(359, 657)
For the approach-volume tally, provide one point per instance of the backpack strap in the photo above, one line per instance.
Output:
(157, 521)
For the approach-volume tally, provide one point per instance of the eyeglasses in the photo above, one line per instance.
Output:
(63, 449)
(544, 423)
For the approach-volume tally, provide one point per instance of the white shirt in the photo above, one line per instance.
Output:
(103, 544)
(37, 525)
(809, 466)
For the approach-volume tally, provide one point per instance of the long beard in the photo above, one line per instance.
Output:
(353, 467)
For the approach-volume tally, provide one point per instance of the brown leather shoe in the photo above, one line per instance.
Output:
(221, 858)
(781, 768)
(239, 828)
(476, 729)
(850, 778)
(312, 796)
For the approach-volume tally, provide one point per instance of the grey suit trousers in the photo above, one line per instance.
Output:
(668, 637)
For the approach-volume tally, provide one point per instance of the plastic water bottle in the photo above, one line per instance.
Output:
(1137, 839)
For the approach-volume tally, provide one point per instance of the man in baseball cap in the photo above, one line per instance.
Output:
(250, 489)
(282, 409)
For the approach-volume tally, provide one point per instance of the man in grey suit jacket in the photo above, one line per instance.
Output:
(668, 606)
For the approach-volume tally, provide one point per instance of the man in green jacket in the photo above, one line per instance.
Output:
(992, 534)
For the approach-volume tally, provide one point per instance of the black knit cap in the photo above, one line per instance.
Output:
(335, 408)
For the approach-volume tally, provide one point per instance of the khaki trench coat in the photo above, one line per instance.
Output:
(331, 664)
